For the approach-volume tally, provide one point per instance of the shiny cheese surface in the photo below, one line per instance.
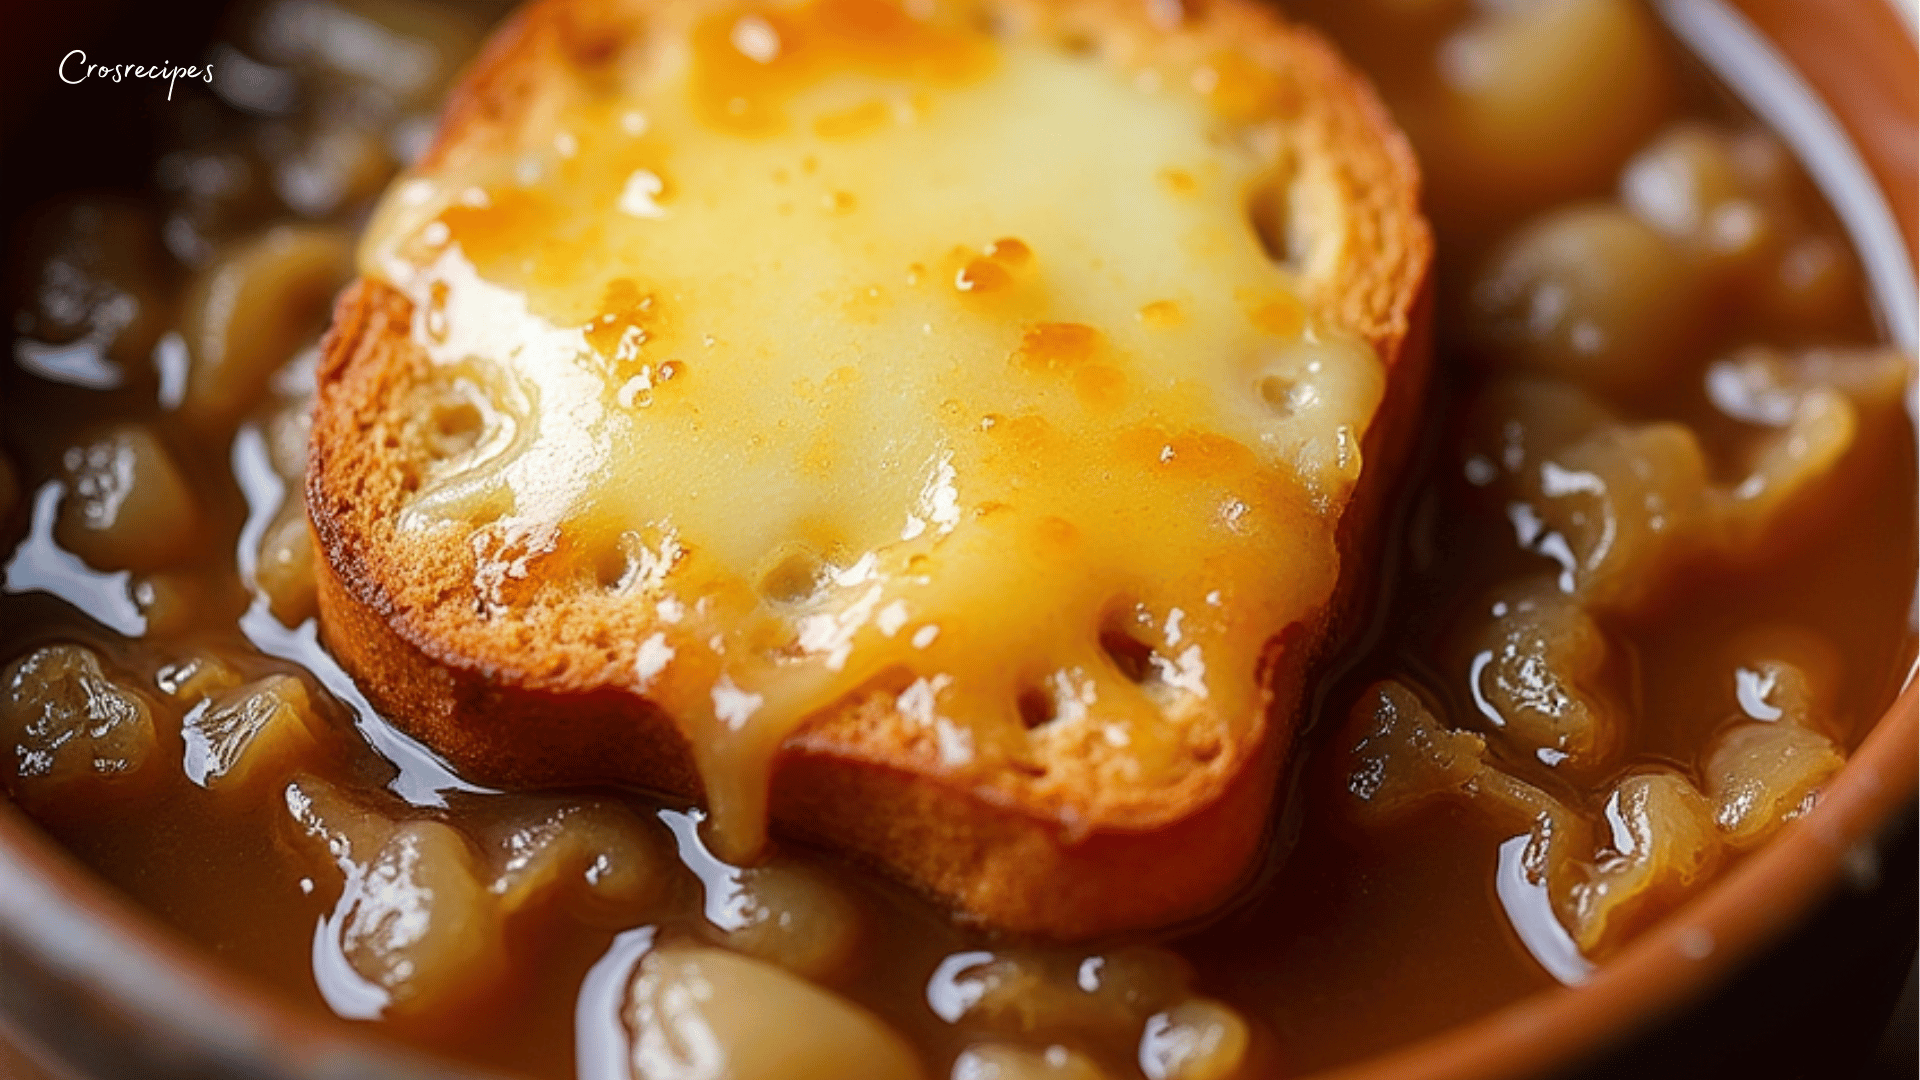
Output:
(859, 351)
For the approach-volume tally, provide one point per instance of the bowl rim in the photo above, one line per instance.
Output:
(81, 932)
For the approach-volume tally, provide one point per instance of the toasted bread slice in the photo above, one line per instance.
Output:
(951, 431)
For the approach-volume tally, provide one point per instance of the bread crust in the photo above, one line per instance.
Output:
(1018, 858)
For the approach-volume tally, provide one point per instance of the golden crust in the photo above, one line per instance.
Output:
(1063, 855)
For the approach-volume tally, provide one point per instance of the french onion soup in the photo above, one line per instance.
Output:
(916, 539)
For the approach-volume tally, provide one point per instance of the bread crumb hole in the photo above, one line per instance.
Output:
(794, 577)
(1133, 657)
(611, 571)
(594, 46)
(1270, 212)
(1277, 393)
(456, 428)
(1078, 43)
(1036, 708)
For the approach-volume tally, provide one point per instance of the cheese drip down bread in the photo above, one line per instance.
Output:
(949, 430)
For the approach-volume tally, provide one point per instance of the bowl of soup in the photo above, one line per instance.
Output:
(1616, 773)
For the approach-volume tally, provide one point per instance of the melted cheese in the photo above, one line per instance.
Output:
(858, 348)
